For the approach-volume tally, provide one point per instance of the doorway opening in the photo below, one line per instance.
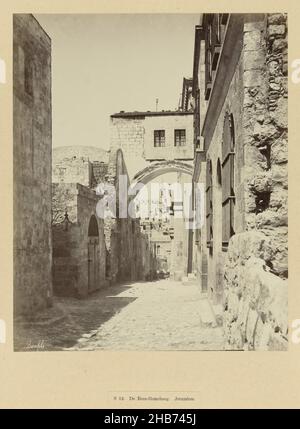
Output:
(93, 255)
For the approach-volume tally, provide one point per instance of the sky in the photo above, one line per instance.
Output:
(102, 64)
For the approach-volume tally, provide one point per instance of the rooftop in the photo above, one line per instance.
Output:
(136, 114)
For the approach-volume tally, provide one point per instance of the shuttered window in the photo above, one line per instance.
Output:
(159, 138)
(179, 138)
(228, 194)
(209, 203)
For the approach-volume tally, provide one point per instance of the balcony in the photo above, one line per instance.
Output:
(214, 28)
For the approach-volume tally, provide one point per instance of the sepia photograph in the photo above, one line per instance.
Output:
(150, 182)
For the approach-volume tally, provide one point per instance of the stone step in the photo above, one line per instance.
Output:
(190, 279)
(218, 312)
(207, 316)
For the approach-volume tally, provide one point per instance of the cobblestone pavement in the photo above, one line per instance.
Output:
(61, 325)
(161, 315)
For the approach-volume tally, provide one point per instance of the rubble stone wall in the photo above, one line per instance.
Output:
(256, 264)
(256, 304)
(72, 170)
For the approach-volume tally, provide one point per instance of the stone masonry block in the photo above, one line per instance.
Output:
(252, 40)
(277, 18)
(254, 60)
(253, 78)
(276, 30)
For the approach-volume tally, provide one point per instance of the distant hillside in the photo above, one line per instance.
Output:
(90, 152)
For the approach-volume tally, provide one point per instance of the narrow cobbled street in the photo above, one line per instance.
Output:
(159, 315)
(163, 315)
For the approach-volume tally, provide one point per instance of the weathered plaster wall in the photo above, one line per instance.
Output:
(32, 165)
(169, 124)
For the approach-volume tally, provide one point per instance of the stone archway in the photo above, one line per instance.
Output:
(162, 167)
(179, 241)
(93, 254)
(119, 228)
(157, 169)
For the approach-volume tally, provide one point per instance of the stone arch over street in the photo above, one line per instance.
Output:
(162, 167)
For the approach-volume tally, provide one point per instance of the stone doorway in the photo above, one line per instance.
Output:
(93, 255)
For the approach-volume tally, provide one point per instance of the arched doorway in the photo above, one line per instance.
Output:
(93, 255)
(165, 217)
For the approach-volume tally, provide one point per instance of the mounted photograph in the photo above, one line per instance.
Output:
(150, 169)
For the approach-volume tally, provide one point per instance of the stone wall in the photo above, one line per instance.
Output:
(249, 276)
(256, 265)
(73, 170)
(87, 165)
(32, 165)
(209, 262)
(91, 152)
(256, 304)
(265, 119)
(131, 257)
(99, 172)
(128, 248)
(76, 205)
(128, 134)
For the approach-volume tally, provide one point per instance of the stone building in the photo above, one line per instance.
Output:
(155, 144)
(79, 251)
(239, 98)
(89, 252)
(32, 165)
(71, 161)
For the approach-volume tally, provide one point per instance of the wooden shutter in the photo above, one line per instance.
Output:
(228, 195)
(208, 59)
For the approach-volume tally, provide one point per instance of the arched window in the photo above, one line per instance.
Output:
(209, 203)
(93, 227)
(228, 193)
